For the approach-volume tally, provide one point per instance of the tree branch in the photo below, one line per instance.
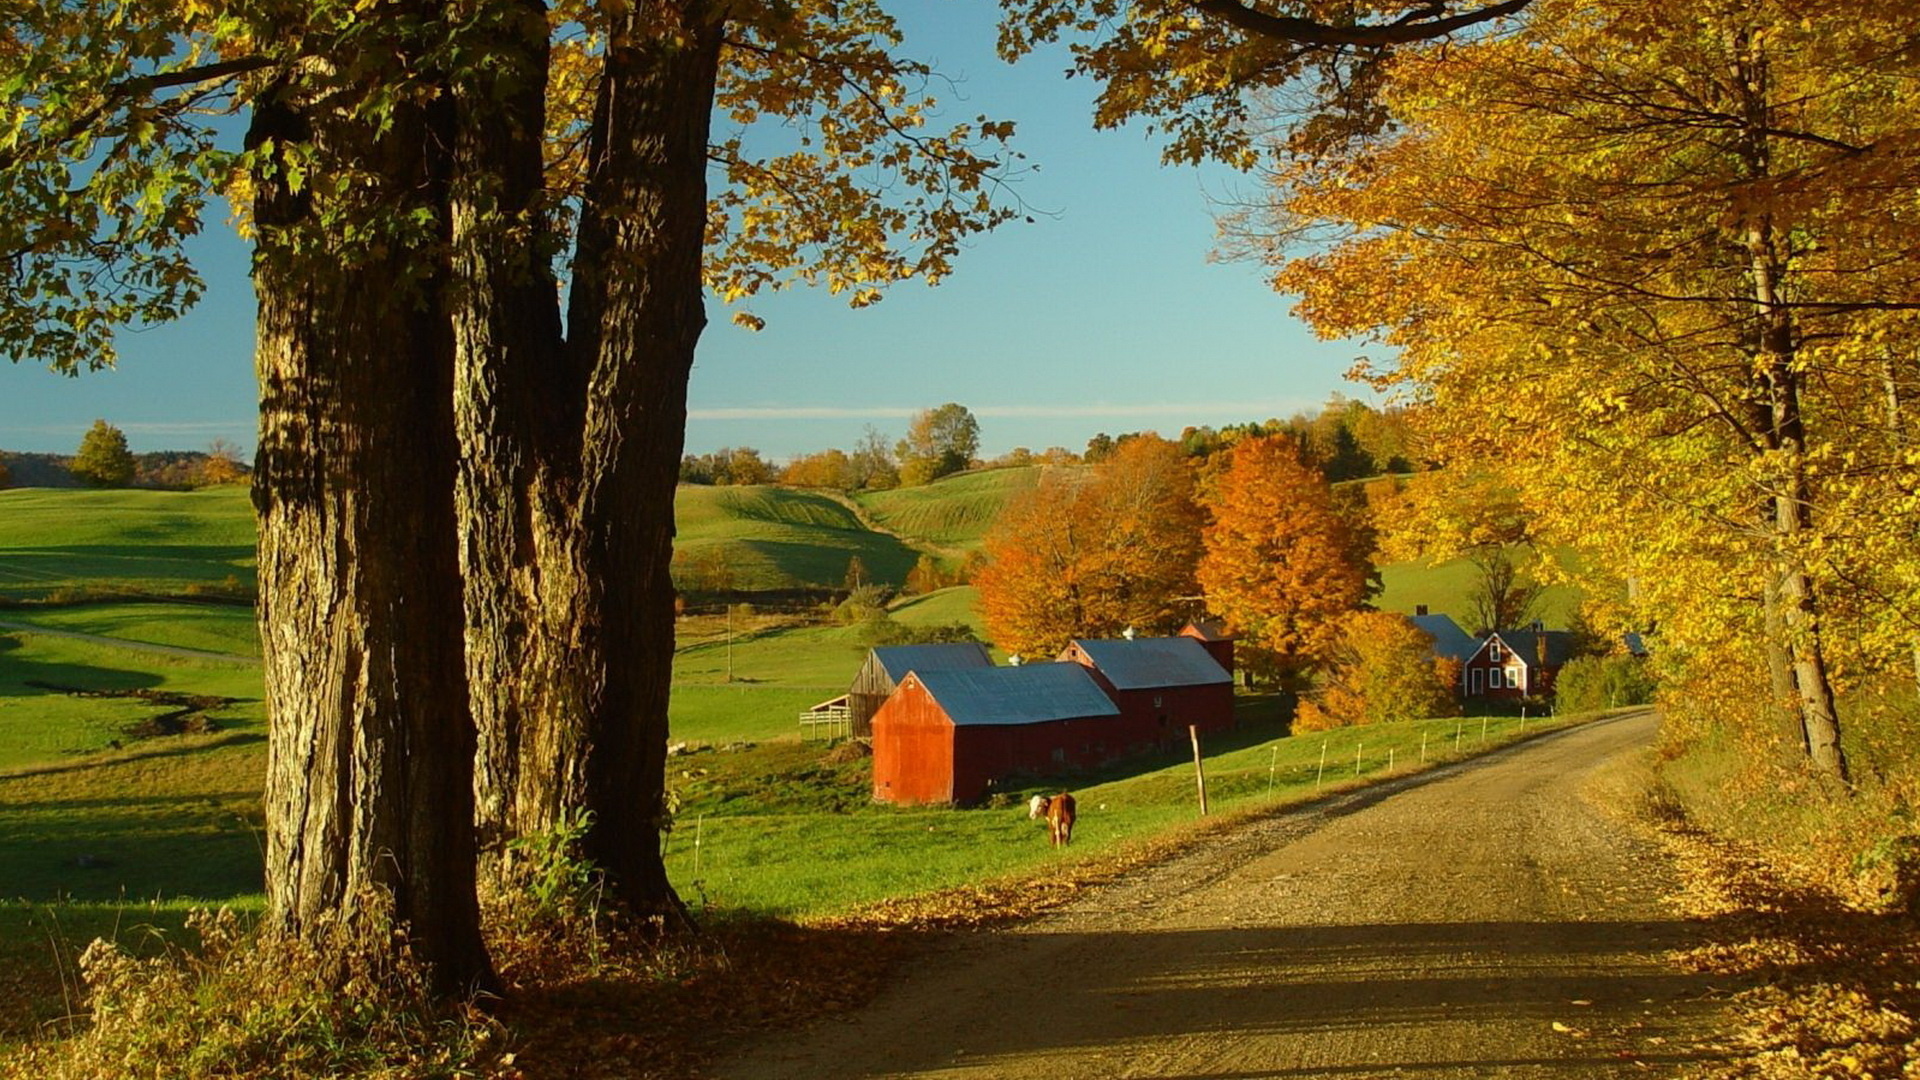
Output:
(1416, 27)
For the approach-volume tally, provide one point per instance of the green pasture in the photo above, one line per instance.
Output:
(123, 540)
(777, 538)
(219, 628)
(1446, 589)
(943, 607)
(953, 512)
(785, 831)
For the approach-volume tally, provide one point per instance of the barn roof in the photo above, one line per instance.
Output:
(1144, 663)
(897, 660)
(1207, 630)
(1027, 694)
(1448, 639)
(1526, 645)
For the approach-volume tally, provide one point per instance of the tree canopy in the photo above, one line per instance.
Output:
(103, 459)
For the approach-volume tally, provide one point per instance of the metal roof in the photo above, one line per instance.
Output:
(1448, 639)
(897, 660)
(1144, 663)
(1027, 694)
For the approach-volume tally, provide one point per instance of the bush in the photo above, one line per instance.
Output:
(248, 1004)
(1592, 683)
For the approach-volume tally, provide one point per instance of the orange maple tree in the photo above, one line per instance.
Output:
(1093, 552)
(1281, 566)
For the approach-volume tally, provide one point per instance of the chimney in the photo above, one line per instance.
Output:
(1419, 609)
(1127, 633)
(1014, 660)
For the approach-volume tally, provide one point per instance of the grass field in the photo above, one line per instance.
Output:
(161, 542)
(1445, 589)
(952, 513)
(784, 830)
(780, 538)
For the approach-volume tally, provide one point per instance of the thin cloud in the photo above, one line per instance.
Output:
(1075, 411)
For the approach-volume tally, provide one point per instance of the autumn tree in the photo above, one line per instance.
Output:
(826, 469)
(103, 459)
(1466, 513)
(1280, 568)
(439, 446)
(1381, 670)
(1667, 222)
(939, 442)
(871, 466)
(222, 464)
(1089, 554)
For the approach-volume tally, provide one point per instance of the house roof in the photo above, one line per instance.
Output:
(1526, 644)
(1144, 663)
(1027, 694)
(897, 660)
(1448, 639)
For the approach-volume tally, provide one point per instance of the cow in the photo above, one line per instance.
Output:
(1058, 811)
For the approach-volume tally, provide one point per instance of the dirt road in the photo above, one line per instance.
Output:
(1484, 920)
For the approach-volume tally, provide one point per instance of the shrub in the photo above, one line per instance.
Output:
(1591, 683)
(348, 1002)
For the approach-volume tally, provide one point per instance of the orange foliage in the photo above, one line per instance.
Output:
(1280, 566)
(1091, 556)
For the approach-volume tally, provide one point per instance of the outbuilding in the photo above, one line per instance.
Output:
(948, 735)
(886, 666)
(1212, 636)
(1163, 685)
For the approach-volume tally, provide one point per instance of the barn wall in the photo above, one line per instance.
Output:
(985, 754)
(870, 689)
(913, 749)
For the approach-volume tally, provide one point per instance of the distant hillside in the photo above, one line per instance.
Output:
(765, 538)
(952, 513)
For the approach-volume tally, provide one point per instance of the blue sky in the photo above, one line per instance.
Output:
(1105, 314)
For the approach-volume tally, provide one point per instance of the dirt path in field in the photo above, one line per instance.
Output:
(1481, 920)
(127, 643)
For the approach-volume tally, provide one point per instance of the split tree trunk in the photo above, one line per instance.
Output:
(572, 456)
(371, 742)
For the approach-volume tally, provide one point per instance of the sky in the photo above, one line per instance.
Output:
(1104, 314)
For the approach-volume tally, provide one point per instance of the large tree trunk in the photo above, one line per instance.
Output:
(371, 742)
(572, 459)
(637, 312)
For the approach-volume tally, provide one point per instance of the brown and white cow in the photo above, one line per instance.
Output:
(1058, 811)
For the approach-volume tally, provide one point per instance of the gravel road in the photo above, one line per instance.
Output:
(1480, 920)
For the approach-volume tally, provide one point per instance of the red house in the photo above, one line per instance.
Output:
(945, 736)
(1161, 685)
(1514, 664)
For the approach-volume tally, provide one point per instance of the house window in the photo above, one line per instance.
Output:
(1493, 651)
(1497, 679)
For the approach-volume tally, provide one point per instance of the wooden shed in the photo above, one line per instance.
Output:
(886, 666)
(1161, 684)
(1515, 664)
(947, 736)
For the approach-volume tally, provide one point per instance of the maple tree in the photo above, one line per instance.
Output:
(1677, 231)
(939, 442)
(441, 444)
(1091, 553)
(1281, 567)
(1381, 669)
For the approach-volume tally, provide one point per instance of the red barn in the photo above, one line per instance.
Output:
(1212, 635)
(1161, 685)
(945, 736)
(888, 664)
(1514, 664)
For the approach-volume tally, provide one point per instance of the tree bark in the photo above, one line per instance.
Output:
(371, 742)
(1788, 490)
(572, 452)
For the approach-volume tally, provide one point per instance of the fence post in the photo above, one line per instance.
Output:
(1199, 773)
(1320, 776)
